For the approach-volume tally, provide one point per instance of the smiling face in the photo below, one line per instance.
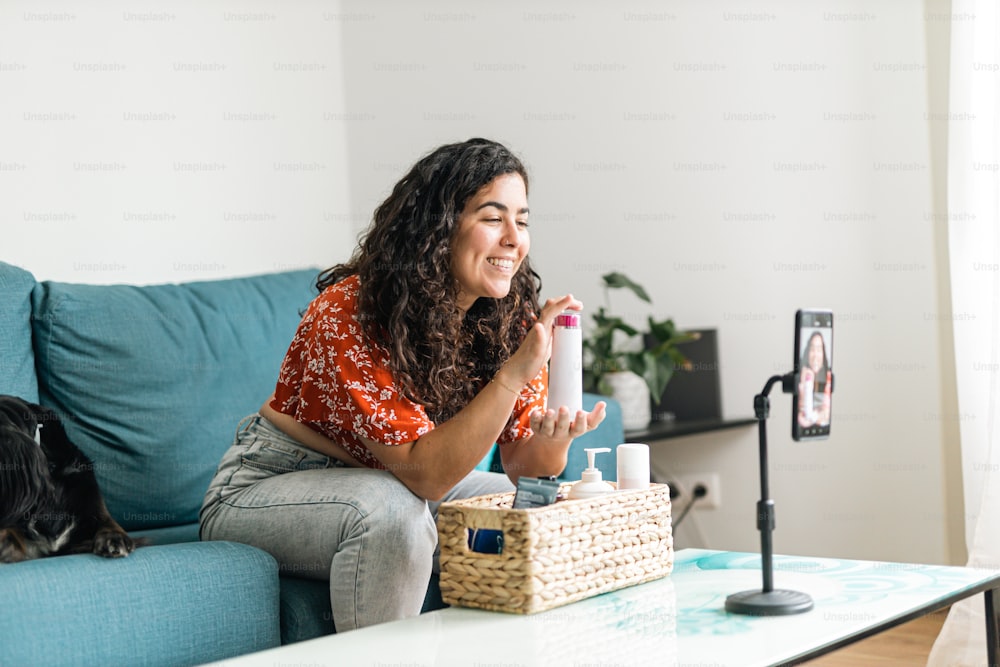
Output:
(491, 240)
(817, 354)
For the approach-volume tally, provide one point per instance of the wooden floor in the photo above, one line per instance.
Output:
(905, 646)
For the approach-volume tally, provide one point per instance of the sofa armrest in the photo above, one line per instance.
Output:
(179, 604)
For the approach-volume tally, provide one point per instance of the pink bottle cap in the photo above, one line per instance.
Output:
(568, 320)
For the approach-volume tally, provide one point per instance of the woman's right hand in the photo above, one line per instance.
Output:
(536, 347)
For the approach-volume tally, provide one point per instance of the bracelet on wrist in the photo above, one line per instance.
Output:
(514, 391)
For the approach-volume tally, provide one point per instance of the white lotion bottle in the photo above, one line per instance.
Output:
(591, 483)
(566, 364)
(633, 466)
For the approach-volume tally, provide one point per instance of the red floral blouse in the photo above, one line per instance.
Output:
(337, 382)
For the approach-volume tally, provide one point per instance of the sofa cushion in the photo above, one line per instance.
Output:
(17, 362)
(183, 604)
(152, 381)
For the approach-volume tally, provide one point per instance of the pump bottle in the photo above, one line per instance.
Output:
(591, 485)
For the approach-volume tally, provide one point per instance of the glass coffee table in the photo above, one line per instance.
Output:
(678, 620)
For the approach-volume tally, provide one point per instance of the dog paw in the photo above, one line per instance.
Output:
(113, 544)
(11, 546)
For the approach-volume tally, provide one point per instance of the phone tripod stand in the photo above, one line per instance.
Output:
(768, 601)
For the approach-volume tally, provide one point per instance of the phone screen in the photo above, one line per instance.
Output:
(812, 404)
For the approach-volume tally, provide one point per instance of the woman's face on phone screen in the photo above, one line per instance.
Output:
(816, 353)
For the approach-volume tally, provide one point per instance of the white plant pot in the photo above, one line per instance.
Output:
(632, 393)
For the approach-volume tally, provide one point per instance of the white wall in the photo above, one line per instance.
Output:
(157, 142)
(740, 163)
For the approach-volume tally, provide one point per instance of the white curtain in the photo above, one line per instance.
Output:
(974, 247)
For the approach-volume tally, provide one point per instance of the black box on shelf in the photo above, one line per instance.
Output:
(694, 394)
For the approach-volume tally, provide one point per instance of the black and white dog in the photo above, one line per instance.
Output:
(50, 503)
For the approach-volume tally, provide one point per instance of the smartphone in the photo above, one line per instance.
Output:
(812, 404)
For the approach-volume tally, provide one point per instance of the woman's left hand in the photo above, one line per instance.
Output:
(559, 425)
(544, 453)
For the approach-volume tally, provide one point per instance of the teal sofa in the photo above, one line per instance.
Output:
(151, 382)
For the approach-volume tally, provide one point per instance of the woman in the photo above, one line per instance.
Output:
(814, 383)
(423, 350)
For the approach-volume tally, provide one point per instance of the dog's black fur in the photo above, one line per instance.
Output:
(50, 503)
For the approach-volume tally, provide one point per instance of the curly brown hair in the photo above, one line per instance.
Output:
(408, 298)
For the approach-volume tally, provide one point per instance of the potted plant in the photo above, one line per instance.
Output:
(620, 364)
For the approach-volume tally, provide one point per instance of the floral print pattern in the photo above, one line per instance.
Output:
(336, 381)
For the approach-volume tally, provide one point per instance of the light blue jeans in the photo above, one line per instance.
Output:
(361, 529)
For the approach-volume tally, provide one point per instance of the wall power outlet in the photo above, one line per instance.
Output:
(686, 485)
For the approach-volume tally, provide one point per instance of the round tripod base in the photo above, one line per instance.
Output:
(772, 603)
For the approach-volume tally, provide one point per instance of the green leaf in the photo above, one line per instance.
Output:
(617, 280)
(662, 331)
(664, 371)
(658, 375)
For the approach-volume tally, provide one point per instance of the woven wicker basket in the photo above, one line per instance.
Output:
(557, 554)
